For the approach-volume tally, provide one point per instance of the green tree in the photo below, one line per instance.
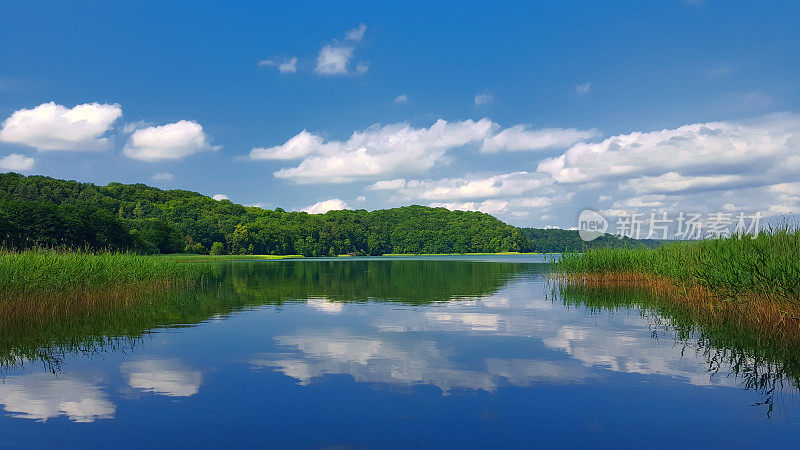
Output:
(218, 248)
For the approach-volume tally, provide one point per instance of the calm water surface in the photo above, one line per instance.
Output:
(388, 352)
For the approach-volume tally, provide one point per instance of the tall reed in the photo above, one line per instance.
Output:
(733, 268)
(55, 272)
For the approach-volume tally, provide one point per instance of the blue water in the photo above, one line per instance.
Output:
(333, 359)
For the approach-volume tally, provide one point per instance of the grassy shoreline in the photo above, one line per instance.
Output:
(753, 282)
(41, 273)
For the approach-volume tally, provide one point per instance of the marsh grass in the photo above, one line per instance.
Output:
(48, 272)
(749, 281)
(733, 268)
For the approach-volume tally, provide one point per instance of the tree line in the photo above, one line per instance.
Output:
(44, 211)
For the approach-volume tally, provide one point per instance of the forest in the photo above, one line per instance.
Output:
(38, 211)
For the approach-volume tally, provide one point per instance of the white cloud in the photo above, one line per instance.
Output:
(520, 138)
(55, 127)
(482, 99)
(503, 185)
(168, 142)
(130, 127)
(674, 182)
(325, 206)
(398, 148)
(333, 59)
(219, 197)
(712, 148)
(164, 377)
(303, 144)
(516, 207)
(374, 152)
(17, 163)
(163, 176)
(387, 185)
(288, 66)
(356, 34)
(583, 88)
(362, 67)
(489, 206)
(786, 188)
(41, 396)
(284, 65)
(361, 198)
(402, 98)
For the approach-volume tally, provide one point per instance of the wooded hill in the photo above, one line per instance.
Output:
(44, 211)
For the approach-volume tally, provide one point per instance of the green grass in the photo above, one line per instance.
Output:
(767, 266)
(52, 271)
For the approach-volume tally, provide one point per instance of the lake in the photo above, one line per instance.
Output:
(391, 352)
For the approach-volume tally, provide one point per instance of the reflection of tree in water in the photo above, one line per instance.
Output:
(763, 363)
(406, 281)
(120, 324)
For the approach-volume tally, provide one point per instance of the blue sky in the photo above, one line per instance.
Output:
(528, 111)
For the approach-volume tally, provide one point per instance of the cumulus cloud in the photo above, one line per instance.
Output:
(503, 185)
(673, 170)
(219, 197)
(303, 144)
(674, 182)
(324, 206)
(515, 206)
(130, 127)
(163, 176)
(402, 98)
(704, 148)
(482, 99)
(333, 59)
(284, 65)
(521, 138)
(55, 127)
(356, 34)
(17, 163)
(168, 142)
(374, 152)
(387, 185)
(382, 150)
